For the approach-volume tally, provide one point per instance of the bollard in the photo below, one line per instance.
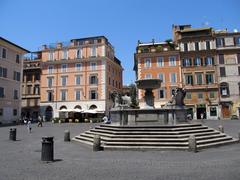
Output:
(66, 135)
(13, 134)
(221, 128)
(96, 143)
(192, 143)
(47, 149)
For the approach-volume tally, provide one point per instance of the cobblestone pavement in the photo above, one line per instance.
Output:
(20, 160)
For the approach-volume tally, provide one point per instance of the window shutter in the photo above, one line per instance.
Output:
(213, 61)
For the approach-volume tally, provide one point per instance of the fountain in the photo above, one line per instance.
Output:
(173, 113)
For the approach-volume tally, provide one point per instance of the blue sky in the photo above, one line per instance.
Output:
(32, 23)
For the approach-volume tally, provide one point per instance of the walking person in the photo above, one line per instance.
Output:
(29, 126)
(39, 121)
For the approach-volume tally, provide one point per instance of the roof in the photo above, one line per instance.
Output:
(14, 44)
(195, 29)
(93, 37)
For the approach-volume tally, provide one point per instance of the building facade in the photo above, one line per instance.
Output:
(198, 59)
(228, 57)
(31, 86)
(10, 80)
(79, 74)
(158, 60)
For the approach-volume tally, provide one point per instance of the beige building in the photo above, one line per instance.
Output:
(10, 80)
(228, 57)
(31, 85)
(79, 74)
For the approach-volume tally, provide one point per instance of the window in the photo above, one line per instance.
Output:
(79, 53)
(221, 59)
(173, 77)
(78, 80)
(15, 94)
(188, 95)
(213, 111)
(197, 61)
(63, 95)
(51, 55)
(212, 94)
(64, 68)
(161, 94)
(188, 79)
(16, 76)
(17, 58)
(209, 78)
(222, 72)
(64, 80)
(50, 81)
(208, 45)
(2, 92)
(77, 94)
(93, 66)
(94, 51)
(161, 77)
(172, 91)
(238, 58)
(37, 76)
(3, 72)
(199, 79)
(160, 62)
(147, 63)
(93, 79)
(224, 89)
(14, 112)
(196, 46)
(93, 94)
(65, 54)
(36, 89)
(239, 70)
(50, 96)
(220, 42)
(148, 76)
(172, 61)
(4, 53)
(200, 96)
(1, 112)
(185, 47)
(29, 89)
(209, 61)
(50, 69)
(78, 66)
(187, 62)
(237, 41)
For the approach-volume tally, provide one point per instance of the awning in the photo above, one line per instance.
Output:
(93, 111)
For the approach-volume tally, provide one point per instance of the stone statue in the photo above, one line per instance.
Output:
(126, 100)
(178, 97)
(116, 99)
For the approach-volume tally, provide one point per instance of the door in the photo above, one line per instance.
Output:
(201, 113)
(225, 111)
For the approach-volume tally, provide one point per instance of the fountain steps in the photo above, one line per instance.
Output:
(154, 137)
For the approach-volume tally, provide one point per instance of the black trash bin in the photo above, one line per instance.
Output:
(47, 149)
(13, 134)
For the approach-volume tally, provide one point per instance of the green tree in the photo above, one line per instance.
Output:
(133, 95)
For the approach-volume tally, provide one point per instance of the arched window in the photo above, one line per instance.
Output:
(93, 107)
(77, 107)
(224, 89)
(63, 107)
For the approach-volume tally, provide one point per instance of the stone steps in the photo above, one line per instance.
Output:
(154, 137)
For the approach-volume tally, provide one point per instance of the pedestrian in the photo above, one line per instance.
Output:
(39, 121)
(29, 126)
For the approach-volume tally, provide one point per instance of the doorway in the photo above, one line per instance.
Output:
(48, 113)
(201, 110)
(225, 111)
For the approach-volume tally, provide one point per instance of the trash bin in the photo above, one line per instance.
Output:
(47, 149)
(13, 134)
